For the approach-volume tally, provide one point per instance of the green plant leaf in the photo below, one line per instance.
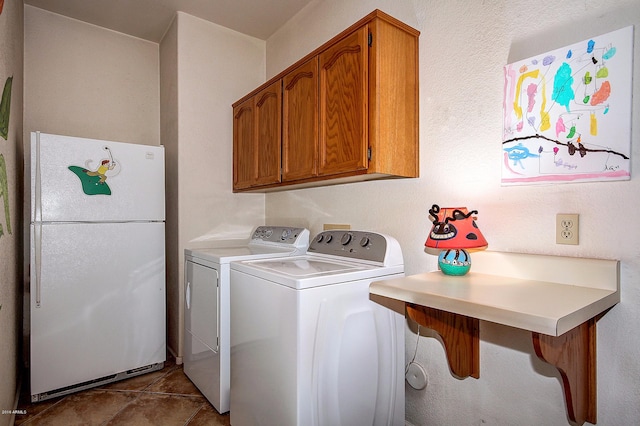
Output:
(5, 107)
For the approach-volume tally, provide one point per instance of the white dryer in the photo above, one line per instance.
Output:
(308, 346)
(207, 304)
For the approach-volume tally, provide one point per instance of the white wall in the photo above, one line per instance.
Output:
(216, 66)
(11, 65)
(463, 47)
(169, 137)
(83, 80)
(205, 68)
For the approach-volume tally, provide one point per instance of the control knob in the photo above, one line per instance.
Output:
(364, 241)
(346, 239)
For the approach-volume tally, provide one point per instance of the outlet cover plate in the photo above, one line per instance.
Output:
(332, 226)
(567, 228)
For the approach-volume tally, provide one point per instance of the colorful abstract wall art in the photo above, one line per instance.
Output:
(567, 113)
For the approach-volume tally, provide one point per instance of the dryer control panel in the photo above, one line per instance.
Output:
(352, 244)
(280, 235)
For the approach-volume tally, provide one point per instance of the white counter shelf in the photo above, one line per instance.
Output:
(557, 298)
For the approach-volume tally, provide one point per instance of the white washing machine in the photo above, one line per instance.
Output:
(207, 304)
(308, 346)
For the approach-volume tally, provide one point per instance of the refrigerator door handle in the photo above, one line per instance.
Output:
(37, 199)
(188, 295)
(37, 254)
(37, 229)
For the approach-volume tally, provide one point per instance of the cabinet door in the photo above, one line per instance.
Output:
(300, 122)
(343, 105)
(256, 139)
(393, 100)
(244, 151)
(268, 109)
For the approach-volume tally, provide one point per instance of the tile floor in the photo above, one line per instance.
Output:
(166, 397)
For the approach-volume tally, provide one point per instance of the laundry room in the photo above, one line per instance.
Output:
(178, 88)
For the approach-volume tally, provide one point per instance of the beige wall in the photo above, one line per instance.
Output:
(11, 54)
(169, 138)
(83, 80)
(463, 47)
(204, 69)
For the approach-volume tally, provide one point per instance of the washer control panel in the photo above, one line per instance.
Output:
(353, 244)
(281, 235)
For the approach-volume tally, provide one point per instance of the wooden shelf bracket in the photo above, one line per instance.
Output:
(460, 335)
(574, 355)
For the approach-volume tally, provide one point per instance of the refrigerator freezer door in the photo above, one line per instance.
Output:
(88, 180)
(102, 301)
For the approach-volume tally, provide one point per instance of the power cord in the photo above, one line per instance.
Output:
(406, 370)
(414, 374)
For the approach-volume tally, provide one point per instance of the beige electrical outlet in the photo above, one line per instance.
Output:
(567, 228)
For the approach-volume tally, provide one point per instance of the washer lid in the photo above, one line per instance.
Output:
(306, 267)
(301, 272)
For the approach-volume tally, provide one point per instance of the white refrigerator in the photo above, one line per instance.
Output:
(96, 274)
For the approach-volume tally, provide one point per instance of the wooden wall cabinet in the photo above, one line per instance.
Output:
(256, 139)
(343, 105)
(300, 122)
(349, 112)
